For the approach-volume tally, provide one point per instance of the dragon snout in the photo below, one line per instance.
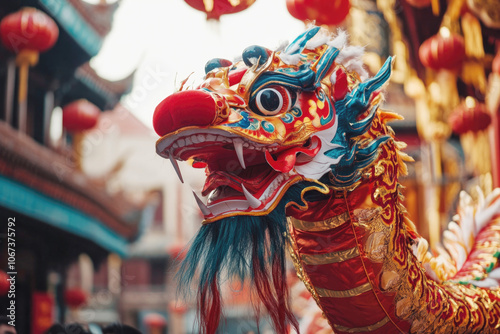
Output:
(188, 108)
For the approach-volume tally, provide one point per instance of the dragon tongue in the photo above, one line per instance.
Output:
(284, 163)
(286, 160)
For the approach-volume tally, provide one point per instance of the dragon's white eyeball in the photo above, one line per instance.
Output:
(273, 100)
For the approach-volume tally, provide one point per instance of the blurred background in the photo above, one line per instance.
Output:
(101, 221)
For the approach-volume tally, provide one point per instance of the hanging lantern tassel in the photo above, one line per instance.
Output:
(24, 60)
(435, 7)
(473, 67)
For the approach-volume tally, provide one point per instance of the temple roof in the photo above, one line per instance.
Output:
(46, 186)
(99, 16)
(106, 93)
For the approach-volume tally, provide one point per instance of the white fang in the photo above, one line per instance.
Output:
(254, 202)
(176, 166)
(238, 147)
(204, 209)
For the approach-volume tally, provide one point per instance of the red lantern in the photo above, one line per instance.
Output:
(4, 283)
(469, 116)
(27, 32)
(328, 12)
(443, 51)
(75, 298)
(419, 3)
(155, 320)
(216, 8)
(80, 115)
(28, 29)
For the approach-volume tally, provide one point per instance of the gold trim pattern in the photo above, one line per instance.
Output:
(323, 225)
(301, 274)
(333, 257)
(369, 328)
(344, 293)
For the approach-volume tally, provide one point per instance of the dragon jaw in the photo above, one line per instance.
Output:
(251, 156)
(244, 177)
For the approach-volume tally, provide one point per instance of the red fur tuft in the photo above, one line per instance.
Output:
(210, 308)
(273, 293)
(341, 88)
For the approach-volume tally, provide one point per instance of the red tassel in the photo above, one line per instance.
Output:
(275, 297)
(210, 308)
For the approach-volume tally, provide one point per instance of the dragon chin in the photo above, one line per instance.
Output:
(244, 178)
(248, 249)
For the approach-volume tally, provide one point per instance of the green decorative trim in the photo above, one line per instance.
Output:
(20, 198)
(74, 24)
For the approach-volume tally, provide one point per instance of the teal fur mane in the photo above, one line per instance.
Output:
(243, 248)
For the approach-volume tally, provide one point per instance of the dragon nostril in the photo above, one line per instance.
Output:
(182, 109)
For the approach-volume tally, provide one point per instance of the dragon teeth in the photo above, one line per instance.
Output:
(204, 209)
(238, 147)
(176, 166)
(252, 200)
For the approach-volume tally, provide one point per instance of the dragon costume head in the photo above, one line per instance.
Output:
(269, 130)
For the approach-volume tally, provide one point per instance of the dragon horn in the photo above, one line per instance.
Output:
(358, 128)
(298, 45)
(324, 62)
(359, 98)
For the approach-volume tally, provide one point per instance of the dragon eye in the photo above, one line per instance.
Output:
(273, 100)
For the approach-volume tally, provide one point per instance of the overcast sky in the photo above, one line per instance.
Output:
(166, 40)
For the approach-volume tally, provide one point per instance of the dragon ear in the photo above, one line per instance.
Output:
(298, 45)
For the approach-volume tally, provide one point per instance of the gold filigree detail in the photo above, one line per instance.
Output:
(388, 280)
(251, 75)
(375, 247)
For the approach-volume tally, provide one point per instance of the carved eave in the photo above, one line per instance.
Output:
(99, 16)
(110, 91)
(45, 186)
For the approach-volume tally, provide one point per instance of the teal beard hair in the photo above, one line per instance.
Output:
(246, 248)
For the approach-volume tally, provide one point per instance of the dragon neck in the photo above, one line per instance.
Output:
(357, 262)
(351, 256)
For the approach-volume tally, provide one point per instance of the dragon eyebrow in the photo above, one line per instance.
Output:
(303, 80)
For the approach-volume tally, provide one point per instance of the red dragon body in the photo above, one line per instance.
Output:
(298, 156)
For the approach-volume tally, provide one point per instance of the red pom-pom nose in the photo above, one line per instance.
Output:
(182, 109)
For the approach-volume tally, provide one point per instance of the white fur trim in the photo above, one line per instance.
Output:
(340, 41)
(321, 163)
